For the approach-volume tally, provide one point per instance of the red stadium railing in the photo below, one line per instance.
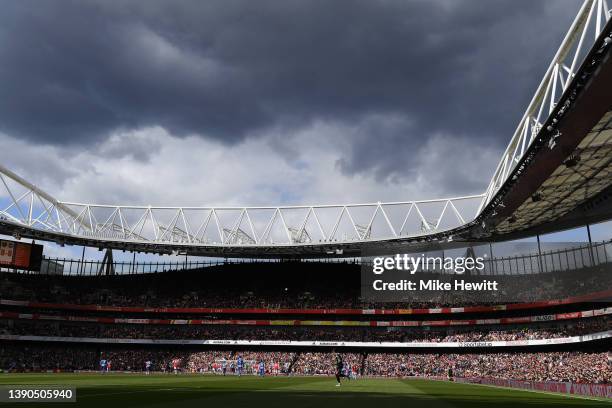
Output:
(346, 323)
(279, 311)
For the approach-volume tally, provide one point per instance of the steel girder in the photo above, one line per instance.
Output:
(27, 205)
(584, 31)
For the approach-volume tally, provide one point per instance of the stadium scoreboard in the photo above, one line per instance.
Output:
(20, 255)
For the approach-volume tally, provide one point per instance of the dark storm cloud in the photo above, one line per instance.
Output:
(401, 71)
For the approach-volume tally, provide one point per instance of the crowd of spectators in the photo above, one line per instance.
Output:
(595, 368)
(213, 362)
(320, 288)
(313, 363)
(578, 367)
(533, 331)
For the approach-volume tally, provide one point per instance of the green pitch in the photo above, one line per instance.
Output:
(131, 390)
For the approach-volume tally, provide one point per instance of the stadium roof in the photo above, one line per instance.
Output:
(554, 174)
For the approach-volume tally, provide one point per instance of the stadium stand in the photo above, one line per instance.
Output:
(293, 317)
(291, 285)
(577, 367)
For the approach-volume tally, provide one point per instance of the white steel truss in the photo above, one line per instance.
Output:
(584, 31)
(29, 206)
(24, 204)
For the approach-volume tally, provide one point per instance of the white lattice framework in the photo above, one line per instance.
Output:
(585, 29)
(233, 226)
(24, 204)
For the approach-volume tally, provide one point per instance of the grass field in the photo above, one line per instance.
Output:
(130, 390)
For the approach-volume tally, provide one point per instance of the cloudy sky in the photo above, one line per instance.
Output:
(267, 102)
